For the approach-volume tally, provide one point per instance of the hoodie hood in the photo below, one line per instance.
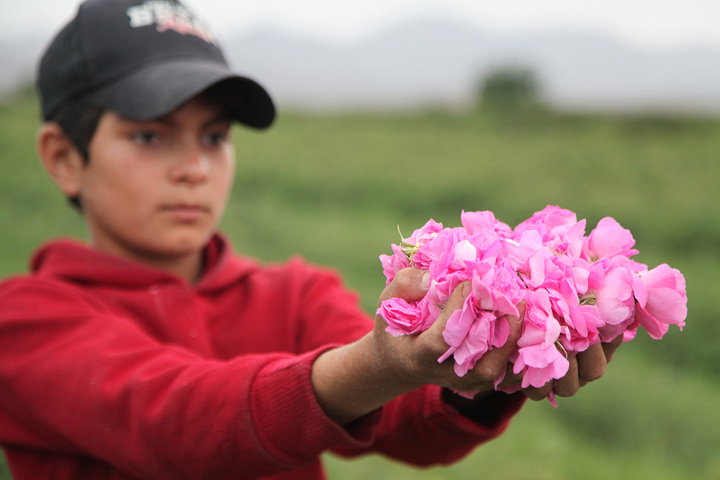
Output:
(75, 262)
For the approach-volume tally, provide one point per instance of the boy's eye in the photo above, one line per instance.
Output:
(146, 138)
(216, 137)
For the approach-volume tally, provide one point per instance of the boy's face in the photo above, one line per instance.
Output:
(154, 191)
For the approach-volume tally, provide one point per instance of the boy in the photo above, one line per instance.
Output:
(154, 351)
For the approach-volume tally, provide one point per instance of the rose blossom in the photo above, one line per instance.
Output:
(662, 301)
(609, 239)
(402, 317)
(579, 290)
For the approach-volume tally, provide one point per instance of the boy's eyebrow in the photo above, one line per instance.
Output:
(220, 117)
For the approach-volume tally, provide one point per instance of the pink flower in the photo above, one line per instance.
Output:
(402, 317)
(609, 239)
(481, 325)
(518, 250)
(579, 323)
(662, 301)
(507, 291)
(474, 222)
(611, 288)
(446, 253)
(578, 290)
(583, 329)
(394, 263)
(547, 220)
(537, 355)
(470, 335)
(426, 233)
(540, 364)
(403, 253)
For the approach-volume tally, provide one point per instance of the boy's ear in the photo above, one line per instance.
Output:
(63, 162)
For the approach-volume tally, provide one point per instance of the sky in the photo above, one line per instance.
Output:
(646, 24)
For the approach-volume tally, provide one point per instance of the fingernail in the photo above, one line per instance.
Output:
(466, 289)
(425, 280)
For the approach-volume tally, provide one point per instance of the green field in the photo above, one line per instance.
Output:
(335, 188)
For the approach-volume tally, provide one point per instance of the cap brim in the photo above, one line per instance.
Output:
(161, 88)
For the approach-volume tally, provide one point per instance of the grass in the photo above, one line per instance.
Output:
(335, 189)
(631, 437)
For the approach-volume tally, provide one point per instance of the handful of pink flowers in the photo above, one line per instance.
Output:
(579, 290)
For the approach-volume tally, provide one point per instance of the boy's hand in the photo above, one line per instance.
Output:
(414, 358)
(419, 353)
(355, 379)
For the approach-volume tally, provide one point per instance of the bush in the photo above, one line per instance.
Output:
(510, 88)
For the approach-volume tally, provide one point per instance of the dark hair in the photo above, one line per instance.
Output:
(78, 122)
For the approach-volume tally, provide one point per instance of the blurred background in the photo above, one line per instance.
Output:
(410, 54)
(393, 112)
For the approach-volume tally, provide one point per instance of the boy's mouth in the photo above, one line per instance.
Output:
(186, 212)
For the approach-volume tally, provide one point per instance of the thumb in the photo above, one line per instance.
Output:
(411, 284)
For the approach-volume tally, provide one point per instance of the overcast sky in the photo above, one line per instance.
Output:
(650, 24)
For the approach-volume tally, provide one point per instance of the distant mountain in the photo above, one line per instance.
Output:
(441, 62)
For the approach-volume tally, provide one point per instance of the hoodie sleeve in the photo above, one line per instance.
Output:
(419, 428)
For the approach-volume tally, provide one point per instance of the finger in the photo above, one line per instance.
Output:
(511, 379)
(591, 363)
(495, 361)
(610, 347)
(568, 385)
(537, 394)
(410, 284)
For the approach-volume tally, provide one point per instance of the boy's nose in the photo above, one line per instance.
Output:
(192, 168)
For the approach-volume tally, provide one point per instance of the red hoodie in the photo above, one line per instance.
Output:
(113, 370)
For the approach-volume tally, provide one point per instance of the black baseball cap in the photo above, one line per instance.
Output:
(142, 59)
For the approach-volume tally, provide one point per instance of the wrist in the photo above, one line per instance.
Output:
(352, 381)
